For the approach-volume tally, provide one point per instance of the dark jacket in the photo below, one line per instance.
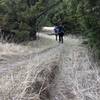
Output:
(61, 30)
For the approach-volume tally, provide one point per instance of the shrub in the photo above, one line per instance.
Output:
(22, 36)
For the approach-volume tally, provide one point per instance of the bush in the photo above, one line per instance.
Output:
(22, 36)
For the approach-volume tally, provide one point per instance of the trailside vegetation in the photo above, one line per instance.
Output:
(80, 17)
(20, 16)
(25, 18)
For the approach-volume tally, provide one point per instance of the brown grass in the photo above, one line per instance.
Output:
(39, 89)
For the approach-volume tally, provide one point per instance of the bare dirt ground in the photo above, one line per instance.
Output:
(47, 70)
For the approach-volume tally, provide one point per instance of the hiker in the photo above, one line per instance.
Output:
(61, 33)
(56, 30)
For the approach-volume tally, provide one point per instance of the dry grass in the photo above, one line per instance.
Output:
(78, 78)
(63, 72)
(29, 79)
(40, 86)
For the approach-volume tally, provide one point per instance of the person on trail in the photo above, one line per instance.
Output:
(56, 30)
(61, 33)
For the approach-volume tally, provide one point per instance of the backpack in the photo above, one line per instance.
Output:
(56, 30)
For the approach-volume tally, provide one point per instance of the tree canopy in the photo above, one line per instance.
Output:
(24, 16)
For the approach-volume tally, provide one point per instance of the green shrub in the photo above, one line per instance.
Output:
(22, 36)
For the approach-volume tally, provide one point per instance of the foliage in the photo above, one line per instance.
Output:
(22, 36)
(25, 15)
(77, 16)
(20, 15)
(80, 16)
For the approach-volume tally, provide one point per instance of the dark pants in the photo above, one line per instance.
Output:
(61, 39)
(56, 37)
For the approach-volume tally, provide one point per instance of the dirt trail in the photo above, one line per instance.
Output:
(77, 77)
